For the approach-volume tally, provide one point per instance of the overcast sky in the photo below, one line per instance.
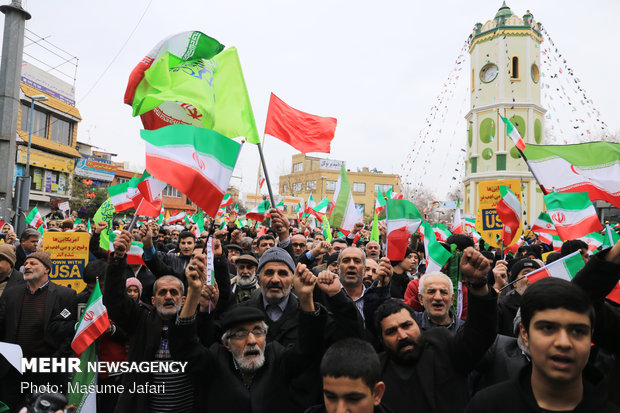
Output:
(376, 67)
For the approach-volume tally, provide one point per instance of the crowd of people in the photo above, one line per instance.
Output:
(291, 322)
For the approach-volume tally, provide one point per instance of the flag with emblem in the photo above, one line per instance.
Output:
(594, 240)
(227, 200)
(198, 162)
(93, 324)
(119, 197)
(436, 254)
(34, 218)
(259, 213)
(441, 232)
(509, 212)
(544, 224)
(572, 214)
(403, 220)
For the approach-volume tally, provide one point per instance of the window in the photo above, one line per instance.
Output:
(61, 131)
(39, 121)
(298, 167)
(172, 191)
(121, 180)
(359, 187)
(383, 187)
(330, 185)
(500, 162)
(285, 188)
(310, 185)
(514, 74)
(297, 187)
(37, 179)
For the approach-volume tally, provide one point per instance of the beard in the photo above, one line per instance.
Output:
(246, 359)
(408, 357)
(276, 299)
(167, 312)
(244, 280)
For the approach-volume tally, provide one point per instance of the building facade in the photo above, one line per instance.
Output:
(318, 176)
(53, 150)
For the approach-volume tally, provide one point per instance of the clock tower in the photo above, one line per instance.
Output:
(505, 80)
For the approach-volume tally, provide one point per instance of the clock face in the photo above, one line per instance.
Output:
(489, 73)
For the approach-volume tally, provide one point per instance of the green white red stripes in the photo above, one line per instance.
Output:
(344, 215)
(34, 218)
(134, 255)
(565, 268)
(320, 209)
(594, 240)
(119, 197)
(544, 224)
(198, 162)
(436, 254)
(227, 200)
(176, 218)
(93, 324)
(379, 202)
(572, 214)
(259, 213)
(610, 238)
(509, 212)
(403, 220)
(441, 232)
(587, 167)
(513, 134)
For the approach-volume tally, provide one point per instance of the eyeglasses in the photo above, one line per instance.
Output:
(241, 334)
(298, 245)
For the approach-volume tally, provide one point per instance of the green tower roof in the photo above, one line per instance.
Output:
(503, 11)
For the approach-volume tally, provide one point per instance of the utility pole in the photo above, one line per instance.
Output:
(10, 76)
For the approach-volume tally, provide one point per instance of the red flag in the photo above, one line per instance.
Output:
(303, 131)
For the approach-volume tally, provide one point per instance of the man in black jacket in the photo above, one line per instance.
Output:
(556, 326)
(427, 372)
(253, 375)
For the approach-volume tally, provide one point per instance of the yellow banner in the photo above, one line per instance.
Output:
(45, 160)
(488, 223)
(69, 254)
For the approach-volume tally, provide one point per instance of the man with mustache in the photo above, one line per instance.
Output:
(418, 368)
(39, 316)
(245, 284)
(437, 295)
(253, 373)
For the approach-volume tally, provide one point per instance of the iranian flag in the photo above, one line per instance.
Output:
(93, 324)
(544, 224)
(119, 196)
(34, 218)
(544, 237)
(509, 212)
(160, 218)
(565, 268)
(513, 134)
(344, 215)
(436, 254)
(150, 187)
(198, 162)
(441, 232)
(320, 209)
(514, 248)
(379, 202)
(134, 255)
(227, 200)
(610, 238)
(592, 167)
(390, 194)
(556, 243)
(475, 235)
(176, 218)
(469, 223)
(594, 240)
(141, 203)
(300, 211)
(403, 220)
(259, 213)
(572, 213)
(310, 204)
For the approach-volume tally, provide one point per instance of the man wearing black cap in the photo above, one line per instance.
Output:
(509, 302)
(245, 284)
(40, 317)
(9, 276)
(252, 373)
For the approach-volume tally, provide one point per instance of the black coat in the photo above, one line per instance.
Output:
(598, 277)
(507, 310)
(16, 278)
(502, 362)
(222, 383)
(516, 396)
(447, 359)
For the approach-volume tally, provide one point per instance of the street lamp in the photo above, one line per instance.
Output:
(23, 184)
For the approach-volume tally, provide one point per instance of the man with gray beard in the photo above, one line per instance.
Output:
(253, 374)
(245, 284)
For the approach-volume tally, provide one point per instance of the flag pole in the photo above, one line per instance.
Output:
(267, 181)
(259, 165)
(542, 188)
(135, 217)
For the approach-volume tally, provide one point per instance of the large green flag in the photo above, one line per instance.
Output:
(215, 88)
(374, 232)
(105, 213)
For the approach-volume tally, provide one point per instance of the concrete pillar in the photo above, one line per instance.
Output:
(10, 76)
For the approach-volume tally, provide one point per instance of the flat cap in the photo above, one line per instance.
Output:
(248, 259)
(7, 252)
(240, 314)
